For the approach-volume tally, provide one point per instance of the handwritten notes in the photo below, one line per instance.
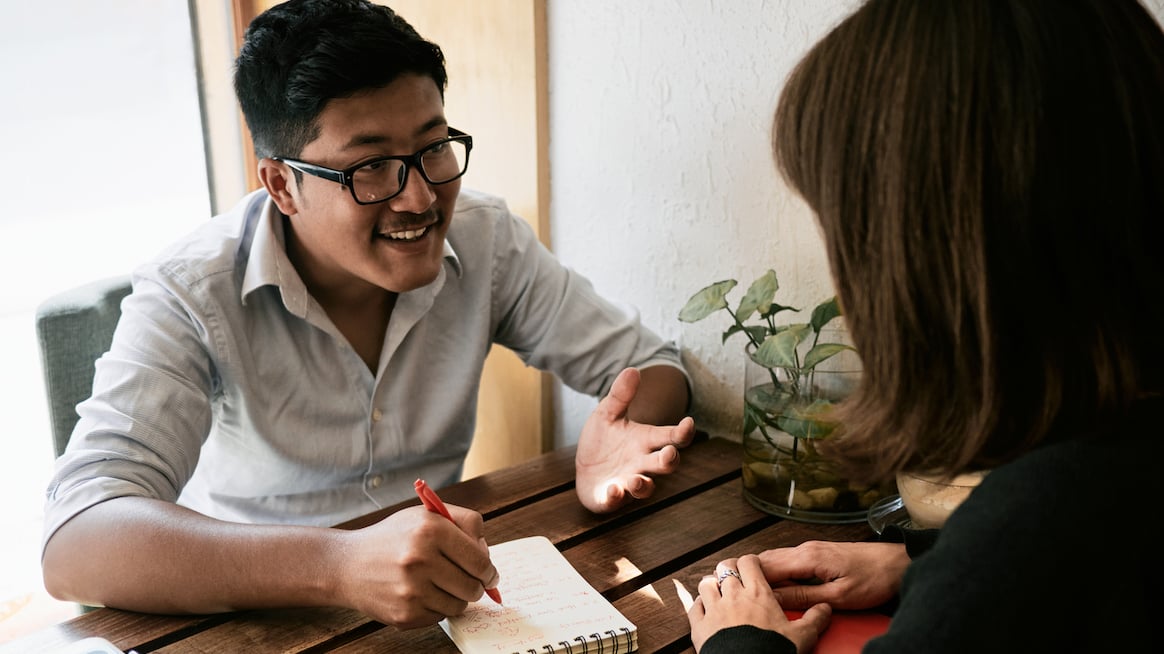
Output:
(548, 607)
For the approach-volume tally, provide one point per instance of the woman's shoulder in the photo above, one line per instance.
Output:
(1121, 453)
(1050, 497)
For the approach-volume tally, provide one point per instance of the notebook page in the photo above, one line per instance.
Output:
(546, 603)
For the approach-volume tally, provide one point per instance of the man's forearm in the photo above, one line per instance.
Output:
(662, 397)
(152, 556)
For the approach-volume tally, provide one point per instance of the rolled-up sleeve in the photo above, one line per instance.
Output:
(140, 432)
(551, 316)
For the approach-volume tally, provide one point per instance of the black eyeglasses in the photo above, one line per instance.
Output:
(384, 178)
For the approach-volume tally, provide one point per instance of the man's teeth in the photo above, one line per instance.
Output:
(406, 235)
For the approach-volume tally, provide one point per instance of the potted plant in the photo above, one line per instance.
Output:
(792, 380)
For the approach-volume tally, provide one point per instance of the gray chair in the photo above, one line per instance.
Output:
(74, 328)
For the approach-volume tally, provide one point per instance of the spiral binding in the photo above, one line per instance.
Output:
(598, 642)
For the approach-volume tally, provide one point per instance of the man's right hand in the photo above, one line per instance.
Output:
(414, 568)
(409, 570)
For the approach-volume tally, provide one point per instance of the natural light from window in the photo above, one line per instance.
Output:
(102, 167)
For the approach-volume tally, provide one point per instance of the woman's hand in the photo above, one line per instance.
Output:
(727, 600)
(844, 575)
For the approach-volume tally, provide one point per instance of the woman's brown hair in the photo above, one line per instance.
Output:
(989, 179)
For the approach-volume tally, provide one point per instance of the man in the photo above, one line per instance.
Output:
(304, 358)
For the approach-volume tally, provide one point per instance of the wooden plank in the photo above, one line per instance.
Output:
(503, 489)
(650, 548)
(553, 473)
(125, 629)
(280, 630)
(626, 555)
(657, 608)
(561, 517)
(431, 640)
(529, 499)
(661, 604)
(497, 491)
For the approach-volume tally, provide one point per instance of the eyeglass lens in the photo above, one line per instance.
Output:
(443, 162)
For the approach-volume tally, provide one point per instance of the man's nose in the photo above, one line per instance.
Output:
(416, 197)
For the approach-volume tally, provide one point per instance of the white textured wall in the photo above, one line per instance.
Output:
(661, 174)
(662, 178)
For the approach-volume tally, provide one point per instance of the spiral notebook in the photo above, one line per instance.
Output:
(549, 608)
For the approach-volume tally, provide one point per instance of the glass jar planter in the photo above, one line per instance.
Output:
(786, 414)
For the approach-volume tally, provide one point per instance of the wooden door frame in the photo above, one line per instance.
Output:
(242, 12)
(515, 404)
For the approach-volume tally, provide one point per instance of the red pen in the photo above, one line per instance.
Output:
(432, 502)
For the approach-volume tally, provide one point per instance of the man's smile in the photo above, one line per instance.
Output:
(409, 232)
(406, 234)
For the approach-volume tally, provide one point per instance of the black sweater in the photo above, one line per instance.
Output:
(1051, 553)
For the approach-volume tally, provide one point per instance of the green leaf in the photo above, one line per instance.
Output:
(795, 426)
(707, 301)
(766, 399)
(779, 350)
(775, 308)
(823, 351)
(750, 422)
(759, 296)
(756, 333)
(824, 312)
(810, 421)
(734, 329)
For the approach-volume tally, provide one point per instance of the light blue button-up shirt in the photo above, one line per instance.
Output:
(228, 389)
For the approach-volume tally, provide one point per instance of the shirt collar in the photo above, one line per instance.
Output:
(268, 263)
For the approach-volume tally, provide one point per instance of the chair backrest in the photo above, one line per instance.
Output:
(74, 328)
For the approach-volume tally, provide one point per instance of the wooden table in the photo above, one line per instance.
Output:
(641, 558)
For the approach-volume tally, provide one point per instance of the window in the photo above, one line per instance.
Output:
(102, 166)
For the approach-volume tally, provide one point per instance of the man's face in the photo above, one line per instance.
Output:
(344, 249)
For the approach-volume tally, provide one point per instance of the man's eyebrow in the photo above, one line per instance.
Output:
(377, 139)
(364, 139)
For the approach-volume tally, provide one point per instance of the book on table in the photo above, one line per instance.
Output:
(848, 630)
(548, 608)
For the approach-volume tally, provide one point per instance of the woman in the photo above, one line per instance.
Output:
(988, 176)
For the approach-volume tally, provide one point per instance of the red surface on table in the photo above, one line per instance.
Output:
(847, 631)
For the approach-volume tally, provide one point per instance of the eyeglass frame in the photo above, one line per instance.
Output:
(344, 177)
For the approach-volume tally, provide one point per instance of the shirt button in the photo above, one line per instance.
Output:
(375, 482)
(376, 415)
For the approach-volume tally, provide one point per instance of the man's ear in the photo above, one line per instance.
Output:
(278, 179)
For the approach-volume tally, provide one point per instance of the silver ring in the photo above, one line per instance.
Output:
(728, 573)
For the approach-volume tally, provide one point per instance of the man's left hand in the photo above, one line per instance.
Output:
(617, 456)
